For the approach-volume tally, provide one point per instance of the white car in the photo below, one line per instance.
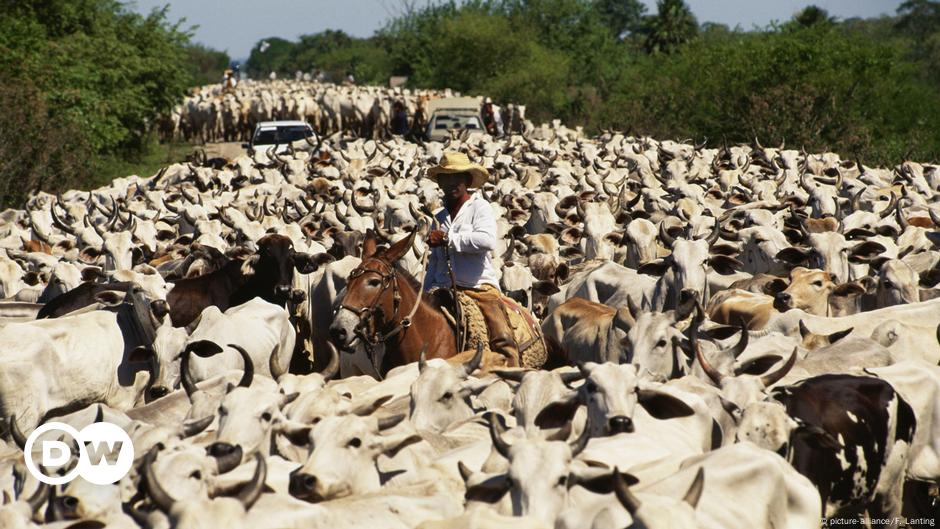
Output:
(280, 133)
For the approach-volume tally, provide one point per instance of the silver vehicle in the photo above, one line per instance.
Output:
(453, 114)
(281, 133)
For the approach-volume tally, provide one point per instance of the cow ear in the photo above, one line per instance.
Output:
(793, 255)
(204, 348)
(308, 264)
(849, 290)
(772, 288)
(490, 491)
(724, 264)
(370, 407)
(663, 405)
(92, 273)
(654, 268)
(723, 249)
(110, 297)
(545, 288)
(390, 445)
(297, 433)
(569, 251)
(398, 249)
(368, 245)
(561, 272)
(866, 251)
(599, 483)
(757, 366)
(141, 353)
(248, 265)
(559, 412)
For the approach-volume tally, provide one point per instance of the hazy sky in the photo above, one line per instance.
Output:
(236, 25)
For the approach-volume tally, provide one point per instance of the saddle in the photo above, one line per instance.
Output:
(525, 329)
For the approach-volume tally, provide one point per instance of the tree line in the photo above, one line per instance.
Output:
(861, 87)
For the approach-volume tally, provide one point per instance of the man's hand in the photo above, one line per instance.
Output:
(437, 238)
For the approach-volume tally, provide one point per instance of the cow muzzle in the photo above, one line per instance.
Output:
(303, 486)
(227, 456)
(783, 302)
(157, 392)
(620, 424)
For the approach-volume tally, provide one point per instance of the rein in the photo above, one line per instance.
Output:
(368, 328)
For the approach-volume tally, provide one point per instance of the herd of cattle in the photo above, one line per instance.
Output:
(211, 114)
(740, 337)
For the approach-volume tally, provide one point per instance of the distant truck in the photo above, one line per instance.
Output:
(453, 113)
(281, 133)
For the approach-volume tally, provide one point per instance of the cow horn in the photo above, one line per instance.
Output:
(379, 228)
(39, 497)
(622, 491)
(857, 200)
(580, 209)
(742, 341)
(191, 428)
(496, 435)
(275, 369)
(578, 445)
(668, 240)
(890, 208)
(472, 365)
(571, 376)
(933, 216)
(803, 183)
(58, 222)
(316, 148)
(757, 143)
(98, 229)
(16, 434)
(713, 236)
(332, 368)
(422, 358)
(252, 491)
(709, 370)
(899, 216)
(772, 378)
(249, 374)
(186, 378)
(158, 494)
(171, 209)
(390, 422)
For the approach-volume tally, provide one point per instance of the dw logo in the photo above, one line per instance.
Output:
(106, 459)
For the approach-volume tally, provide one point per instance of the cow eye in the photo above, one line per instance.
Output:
(196, 475)
(266, 416)
(223, 411)
(315, 420)
(355, 442)
(817, 283)
(661, 343)
(447, 396)
(562, 481)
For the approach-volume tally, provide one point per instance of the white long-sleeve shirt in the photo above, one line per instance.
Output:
(471, 236)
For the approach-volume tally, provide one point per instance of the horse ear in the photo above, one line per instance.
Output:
(368, 245)
(398, 249)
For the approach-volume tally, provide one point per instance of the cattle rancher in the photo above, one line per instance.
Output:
(467, 226)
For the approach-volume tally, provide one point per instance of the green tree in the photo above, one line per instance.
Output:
(623, 17)
(96, 76)
(272, 54)
(812, 15)
(205, 65)
(671, 27)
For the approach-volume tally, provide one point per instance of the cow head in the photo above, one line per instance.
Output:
(274, 264)
(342, 458)
(541, 473)
(440, 396)
(816, 292)
(611, 393)
(204, 512)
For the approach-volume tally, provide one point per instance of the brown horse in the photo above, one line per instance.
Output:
(373, 318)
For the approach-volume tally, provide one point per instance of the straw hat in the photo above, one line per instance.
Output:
(457, 162)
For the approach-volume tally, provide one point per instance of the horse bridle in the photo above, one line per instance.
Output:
(368, 329)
